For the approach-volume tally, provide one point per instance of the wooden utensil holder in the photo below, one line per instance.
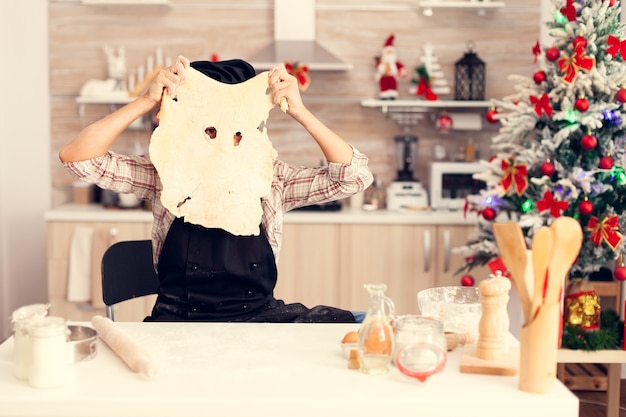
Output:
(538, 350)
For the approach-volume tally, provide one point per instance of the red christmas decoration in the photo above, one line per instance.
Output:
(616, 46)
(585, 208)
(606, 162)
(539, 77)
(444, 122)
(301, 72)
(490, 116)
(606, 230)
(547, 168)
(620, 273)
(582, 105)
(621, 95)
(570, 65)
(588, 142)
(489, 214)
(569, 11)
(467, 281)
(536, 51)
(542, 104)
(515, 175)
(552, 54)
(580, 40)
(549, 203)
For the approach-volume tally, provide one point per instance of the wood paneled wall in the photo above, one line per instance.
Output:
(352, 29)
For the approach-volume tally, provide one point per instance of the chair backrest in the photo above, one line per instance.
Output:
(127, 272)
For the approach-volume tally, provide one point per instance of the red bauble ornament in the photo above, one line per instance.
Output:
(468, 280)
(588, 142)
(444, 123)
(552, 54)
(490, 116)
(580, 40)
(621, 95)
(620, 273)
(606, 162)
(489, 213)
(547, 168)
(582, 105)
(539, 77)
(585, 208)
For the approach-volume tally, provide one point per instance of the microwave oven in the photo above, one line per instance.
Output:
(451, 182)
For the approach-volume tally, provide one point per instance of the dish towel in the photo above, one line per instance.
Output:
(102, 239)
(79, 271)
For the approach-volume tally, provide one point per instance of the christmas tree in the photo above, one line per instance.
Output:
(561, 146)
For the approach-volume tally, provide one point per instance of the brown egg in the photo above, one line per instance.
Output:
(350, 337)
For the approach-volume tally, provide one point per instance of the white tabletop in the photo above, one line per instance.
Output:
(228, 369)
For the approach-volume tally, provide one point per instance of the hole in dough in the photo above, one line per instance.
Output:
(211, 132)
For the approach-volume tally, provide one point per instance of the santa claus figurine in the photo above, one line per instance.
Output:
(388, 70)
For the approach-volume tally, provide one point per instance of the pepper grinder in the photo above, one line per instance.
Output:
(494, 322)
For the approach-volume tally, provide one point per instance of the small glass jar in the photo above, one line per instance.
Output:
(49, 352)
(20, 319)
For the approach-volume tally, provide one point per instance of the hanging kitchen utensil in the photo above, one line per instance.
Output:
(512, 247)
(568, 238)
(541, 247)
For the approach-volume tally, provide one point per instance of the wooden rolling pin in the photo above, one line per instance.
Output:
(455, 339)
(136, 357)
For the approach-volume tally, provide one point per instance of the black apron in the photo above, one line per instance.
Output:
(213, 275)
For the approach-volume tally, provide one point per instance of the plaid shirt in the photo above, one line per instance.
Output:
(292, 187)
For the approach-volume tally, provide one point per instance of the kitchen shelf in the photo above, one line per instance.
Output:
(112, 101)
(424, 105)
(481, 6)
(127, 2)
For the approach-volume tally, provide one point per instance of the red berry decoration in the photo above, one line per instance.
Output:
(539, 77)
(588, 142)
(621, 95)
(468, 280)
(489, 213)
(552, 54)
(547, 168)
(606, 162)
(582, 105)
(490, 116)
(585, 208)
(580, 40)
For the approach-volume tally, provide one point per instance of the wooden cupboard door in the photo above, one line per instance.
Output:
(308, 268)
(448, 262)
(60, 236)
(401, 256)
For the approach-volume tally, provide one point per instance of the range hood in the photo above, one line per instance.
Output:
(294, 40)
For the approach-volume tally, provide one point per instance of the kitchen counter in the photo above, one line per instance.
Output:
(97, 213)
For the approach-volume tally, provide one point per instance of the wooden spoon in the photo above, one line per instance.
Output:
(568, 238)
(542, 246)
(512, 247)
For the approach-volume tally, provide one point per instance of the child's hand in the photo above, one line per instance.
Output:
(284, 87)
(167, 80)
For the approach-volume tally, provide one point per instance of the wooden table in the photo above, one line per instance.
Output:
(228, 369)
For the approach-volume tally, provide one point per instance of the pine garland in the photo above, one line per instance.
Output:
(610, 335)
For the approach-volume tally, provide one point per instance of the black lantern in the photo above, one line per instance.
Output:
(469, 76)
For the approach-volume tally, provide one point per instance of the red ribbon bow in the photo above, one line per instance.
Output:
(542, 104)
(516, 175)
(607, 230)
(536, 51)
(423, 88)
(550, 203)
(616, 46)
(301, 72)
(578, 61)
(569, 11)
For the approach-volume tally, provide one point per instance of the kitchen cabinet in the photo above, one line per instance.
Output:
(308, 268)
(401, 256)
(60, 234)
(447, 261)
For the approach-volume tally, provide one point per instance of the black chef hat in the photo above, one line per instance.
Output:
(233, 71)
